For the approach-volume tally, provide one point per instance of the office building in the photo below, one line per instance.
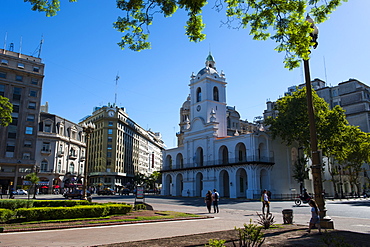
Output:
(119, 149)
(21, 79)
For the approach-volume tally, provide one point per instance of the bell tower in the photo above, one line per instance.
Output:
(208, 96)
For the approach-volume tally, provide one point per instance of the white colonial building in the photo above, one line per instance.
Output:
(216, 149)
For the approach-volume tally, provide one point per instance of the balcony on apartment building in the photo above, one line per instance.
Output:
(45, 151)
(73, 156)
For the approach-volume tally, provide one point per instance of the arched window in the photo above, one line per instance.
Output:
(215, 94)
(199, 94)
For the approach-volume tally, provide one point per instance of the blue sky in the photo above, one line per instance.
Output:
(82, 59)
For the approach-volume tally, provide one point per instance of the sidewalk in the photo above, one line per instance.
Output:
(92, 236)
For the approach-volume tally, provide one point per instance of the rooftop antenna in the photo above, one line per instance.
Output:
(326, 78)
(41, 42)
(20, 46)
(115, 95)
(6, 37)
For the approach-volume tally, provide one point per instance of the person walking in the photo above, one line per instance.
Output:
(315, 217)
(215, 199)
(208, 200)
(265, 202)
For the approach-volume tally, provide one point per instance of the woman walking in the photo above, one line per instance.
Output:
(208, 200)
(315, 217)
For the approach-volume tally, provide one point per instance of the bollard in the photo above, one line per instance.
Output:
(288, 216)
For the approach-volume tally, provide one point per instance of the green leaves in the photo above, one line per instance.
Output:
(6, 109)
(284, 21)
(50, 7)
(292, 125)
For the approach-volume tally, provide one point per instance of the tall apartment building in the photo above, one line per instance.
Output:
(21, 79)
(119, 148)
(60, 152)
(352, 95)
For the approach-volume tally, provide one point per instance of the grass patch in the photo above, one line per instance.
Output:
(142, 215)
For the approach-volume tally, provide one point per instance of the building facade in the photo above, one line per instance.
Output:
(60, 153)
(21, 79)
(216, 149)
(354, 97)
(119, 148)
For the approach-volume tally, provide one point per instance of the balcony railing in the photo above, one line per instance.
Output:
(60, 153)
(73, 156)
(45, 151)
(224, 162)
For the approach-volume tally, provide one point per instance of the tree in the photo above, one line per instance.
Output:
(352, 152)
(34, 179)
(300, 172)
(286, 19)
(292, 126)
(6, 109)
(153, 179)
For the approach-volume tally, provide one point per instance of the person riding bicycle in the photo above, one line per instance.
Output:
(305, 196)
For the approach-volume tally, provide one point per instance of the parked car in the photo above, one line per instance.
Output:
(76, 194)
(106, 191)
(125, 191)
(21, 192)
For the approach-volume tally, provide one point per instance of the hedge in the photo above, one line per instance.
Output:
(15, 203)
(6, 214)
(52, 213)
(60, 203)
(24, 203)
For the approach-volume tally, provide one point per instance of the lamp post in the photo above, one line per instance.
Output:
(341, 182)
(88, 129)
(315, 153)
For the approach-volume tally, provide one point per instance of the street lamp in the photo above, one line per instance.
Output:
(37, 169)
(316, 159)
(341, 182)
(88, 129)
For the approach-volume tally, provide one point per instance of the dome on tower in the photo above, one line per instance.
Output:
(186, 105)
(210, 66)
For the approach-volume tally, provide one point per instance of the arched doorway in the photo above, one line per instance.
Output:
(264, 183)
(179, 185)
(179, 161)
(168, 163)
(223, 155)
(240, 152)
(199, 157)
(198, 184)
(262, 152)
(167, 185)
(241, 182)
(224, 184)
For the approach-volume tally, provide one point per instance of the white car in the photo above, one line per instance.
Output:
(21, 192)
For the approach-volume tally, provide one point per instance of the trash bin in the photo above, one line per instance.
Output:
(288, 216)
